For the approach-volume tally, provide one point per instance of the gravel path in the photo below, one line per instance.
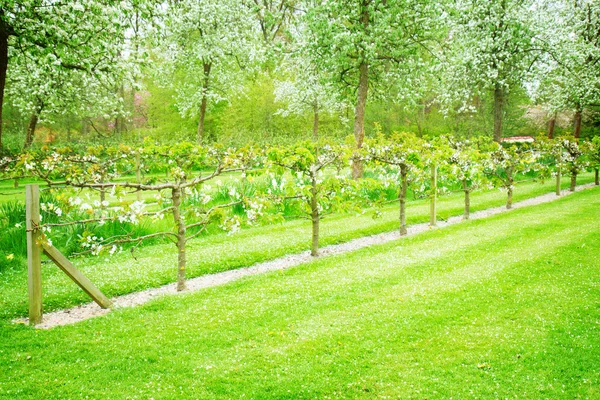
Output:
(90, 310)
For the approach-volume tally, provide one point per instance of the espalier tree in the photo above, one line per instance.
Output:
(593, 154)
(574, 159)
(362, 43)
(506, 161)
(402, 154)
(209, 49)
(554, 157)
(312, 180)
(190, 166)
(80, 35)
(466, 164)
(492, 45)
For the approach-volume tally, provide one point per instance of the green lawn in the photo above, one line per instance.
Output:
(156, 265)
(498, 308)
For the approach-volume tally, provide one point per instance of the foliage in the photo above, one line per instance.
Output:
(319, 192)
(508, 160)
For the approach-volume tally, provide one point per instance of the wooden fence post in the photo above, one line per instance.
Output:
(138, 175)
(34, 254)
(433, 198)
(558, 181)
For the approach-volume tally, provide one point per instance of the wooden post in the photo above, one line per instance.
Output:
(81, 280)
(432, 210)
(138, 175)
(34, 259)
(558, 172)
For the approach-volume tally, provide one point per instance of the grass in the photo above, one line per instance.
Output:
(495, 308)
(156, 265)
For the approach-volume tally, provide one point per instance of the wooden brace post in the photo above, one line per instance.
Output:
(81, 280)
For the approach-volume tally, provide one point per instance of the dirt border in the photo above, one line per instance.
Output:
(90, 310)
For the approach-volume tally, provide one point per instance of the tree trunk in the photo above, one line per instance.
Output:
(31, 130)
(596, 177)
(200, 133)
(180, 225)
(511, 182)
(119, 119)
(4, 33)
(316, 121)
(402, 197)
(551, 126)
(498, 111)
(467, 191)
(315, 217)
(359, 118)
(577, 124)
(573, 180)
(433, 198)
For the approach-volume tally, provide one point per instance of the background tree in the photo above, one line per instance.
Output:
(307, 90)
(361, 43)
(209, 49)
(82, 35)
(492, 45)
(570, 73)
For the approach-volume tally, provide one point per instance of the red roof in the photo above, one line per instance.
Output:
(518, 139)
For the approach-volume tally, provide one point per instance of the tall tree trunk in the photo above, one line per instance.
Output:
(402, 198)
(200, 133)
(359, 118)
(4, 33)
(180, 225)
(467, 213)
(597, 177)
(551, 126)
(316, 121)
(498, 111)
(315, 217)
(33, 120)
(119, 119)
(577, 124)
